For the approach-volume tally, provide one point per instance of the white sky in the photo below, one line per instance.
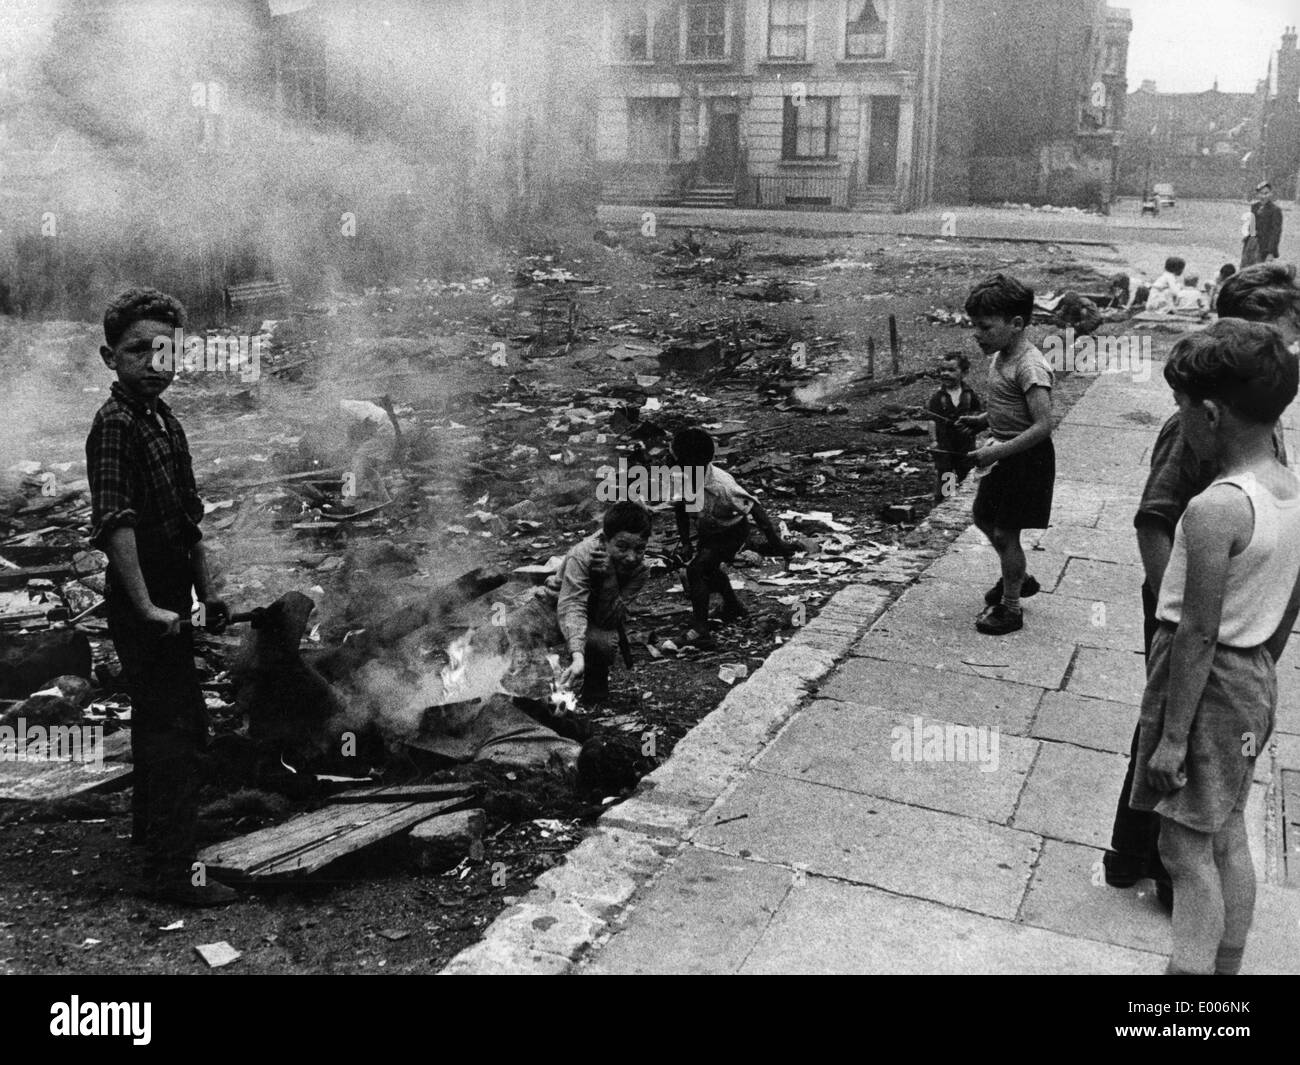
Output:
(1184, 44)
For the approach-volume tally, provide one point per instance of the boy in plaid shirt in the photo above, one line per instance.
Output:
(146, 509)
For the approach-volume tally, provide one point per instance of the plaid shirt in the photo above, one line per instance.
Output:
(141, 477)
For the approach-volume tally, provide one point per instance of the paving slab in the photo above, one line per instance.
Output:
(904, 687)
(880, 752)
(1106, 674)
(826, 927)
(704, 914)
(1114, 624)
(976, 565)
(1102, 545)
(1117, 515)
(1112, 456)
(1288, 697)
(1100, 581)
(1069, 894)
(955, 860)
(1019, 657)
(1071, 794)
(1097, 724)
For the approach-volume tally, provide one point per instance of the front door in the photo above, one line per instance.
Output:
(722, 153)
(882, 143)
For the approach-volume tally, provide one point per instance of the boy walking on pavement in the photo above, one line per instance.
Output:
(952, 443)
(145, 511)
(1016, 493)
(723, 510)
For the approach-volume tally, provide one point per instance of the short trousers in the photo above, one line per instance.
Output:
(1233, 724)
(1017, 492)
(726, 541)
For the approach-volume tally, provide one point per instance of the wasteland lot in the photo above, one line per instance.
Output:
(490, 466)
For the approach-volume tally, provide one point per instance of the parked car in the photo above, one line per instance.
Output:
(1165, 195)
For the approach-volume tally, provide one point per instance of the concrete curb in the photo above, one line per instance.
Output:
(574, 905)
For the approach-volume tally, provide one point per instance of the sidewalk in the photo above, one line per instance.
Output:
(978, 223)
(783, 837)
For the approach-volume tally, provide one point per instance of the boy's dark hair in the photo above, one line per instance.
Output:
(959, 358)
(1265, 292)
(1001, 296)
(693, 447)
(626, 515)
(1119, 281)
(1227, 270)
(136, 305)
(1175, 265)
(1242, 364)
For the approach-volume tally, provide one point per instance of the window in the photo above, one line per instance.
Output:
(1114, 56)
(652, 128)
(629, 35)
(706, 29)
(787, 29)
(811, 129)
(866, 33)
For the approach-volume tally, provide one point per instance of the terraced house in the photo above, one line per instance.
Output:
(868, 104)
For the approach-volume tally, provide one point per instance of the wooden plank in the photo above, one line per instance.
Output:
(14, 579)
(405, 793)
(47, 780)
(307, 843)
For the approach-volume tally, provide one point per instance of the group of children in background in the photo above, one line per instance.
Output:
(1219, 530)
(1179, 292)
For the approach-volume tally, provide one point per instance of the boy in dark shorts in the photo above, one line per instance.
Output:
(953, 443)
(1229, 597)
(145, 510)
(723, 510)
(1016, 493)
(1266, 293)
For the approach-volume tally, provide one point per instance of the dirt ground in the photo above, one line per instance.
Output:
(67, 895)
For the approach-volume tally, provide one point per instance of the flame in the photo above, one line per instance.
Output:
(563, 701)
(455, 674)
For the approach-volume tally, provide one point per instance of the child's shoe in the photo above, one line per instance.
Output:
(999, 620)
(1029, 587)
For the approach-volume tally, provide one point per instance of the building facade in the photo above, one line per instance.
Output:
(877, 104)
(1205, 144)
(770, 102)
(1280, 156)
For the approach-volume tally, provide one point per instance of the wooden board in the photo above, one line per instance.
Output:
(50, 779)
(406, 793)
(307, 843)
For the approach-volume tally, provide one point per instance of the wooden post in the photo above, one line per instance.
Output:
(893, 342)
(871, 356)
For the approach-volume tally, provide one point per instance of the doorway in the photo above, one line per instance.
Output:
(881, 169)
(722, 153)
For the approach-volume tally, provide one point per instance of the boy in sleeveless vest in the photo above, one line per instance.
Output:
(1228, 599)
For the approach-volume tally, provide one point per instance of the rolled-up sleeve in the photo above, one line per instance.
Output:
(575, 591)
(112, 499)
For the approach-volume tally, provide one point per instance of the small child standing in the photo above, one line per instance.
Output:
(1017, 493)
(1227, 602)
(722, 509)
(953, 443)
(1164, 293)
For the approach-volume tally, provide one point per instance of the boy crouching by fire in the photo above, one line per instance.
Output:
(584, 605)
